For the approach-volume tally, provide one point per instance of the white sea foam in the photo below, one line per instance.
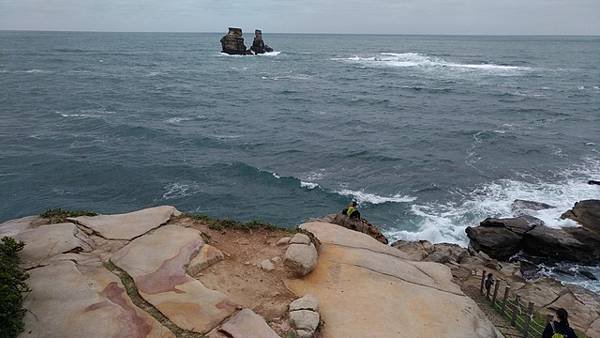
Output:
(445, 222)
(273, 53)
(363, 197)
(178, 119)
(428, 62)
(179, 190)
(87, 113)
(309, 185)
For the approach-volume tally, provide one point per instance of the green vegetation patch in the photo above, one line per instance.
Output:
(12, 288)
(60, 215)
(223, 224)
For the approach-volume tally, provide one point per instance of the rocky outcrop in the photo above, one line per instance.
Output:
(505, 237)
(586, 213)
(301, 256)
(522, 207)
(356, 277)
(207, 256)
(361, 225)
(304, 316)
(258, 45)
(233, 43)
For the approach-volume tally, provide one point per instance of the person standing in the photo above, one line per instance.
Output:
(559, 327)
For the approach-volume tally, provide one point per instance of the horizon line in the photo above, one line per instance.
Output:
(299, 33)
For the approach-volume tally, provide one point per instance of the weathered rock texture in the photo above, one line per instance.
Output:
(586, 213)
(503, 238)
(360, 225)
(157, 263)
(356, 276)
(301, 256)
(245, 324)
(233, 43)
(304, 316)
(127, 226)
(258, 45)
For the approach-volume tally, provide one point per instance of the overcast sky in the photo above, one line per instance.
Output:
(564, 17)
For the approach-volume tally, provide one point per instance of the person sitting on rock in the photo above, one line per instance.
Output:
(352, 210)
(559, 327)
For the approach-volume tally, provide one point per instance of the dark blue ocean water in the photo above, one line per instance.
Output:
(429, 133)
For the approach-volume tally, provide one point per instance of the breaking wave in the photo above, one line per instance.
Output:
(363, 197)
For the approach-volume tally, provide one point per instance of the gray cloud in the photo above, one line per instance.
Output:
(311, 16)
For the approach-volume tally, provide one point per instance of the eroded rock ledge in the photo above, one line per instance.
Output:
(152, 273)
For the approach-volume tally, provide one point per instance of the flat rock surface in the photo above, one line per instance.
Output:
(64, 302)
(46, 241)
(127, 226)
(247, 324)
(356, 276)
(15, 226)
(157, 263)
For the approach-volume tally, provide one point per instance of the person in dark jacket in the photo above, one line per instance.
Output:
(559, 327)
(489, 281)
(352, 210)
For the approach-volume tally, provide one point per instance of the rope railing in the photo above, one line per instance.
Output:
(521, 316)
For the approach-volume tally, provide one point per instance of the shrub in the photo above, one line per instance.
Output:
(221, 224)
(60, 215)
(12, 288)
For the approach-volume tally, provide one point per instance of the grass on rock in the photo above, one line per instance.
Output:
(60, 215)
(230, 224)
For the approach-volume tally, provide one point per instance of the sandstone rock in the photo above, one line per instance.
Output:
(283, 241)
(233, 43)
(301, 259)
(414, 250)
(334, 234)
(46, 241)
(447, 252)
(207, 256)
(64, 302)
(266, 265)
(246, 324)
(308, 302)
(276, 259)
(305, 321)
(300, 239)
(356, 276)
(157, 262)
(13, 227)
(497, 242)
(586, 213)
(594, 329)
(360, 225)
(258, 45)
(127, 226)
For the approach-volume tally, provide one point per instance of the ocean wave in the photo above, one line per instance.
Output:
(178, 119)
(177, 190)
(309, 185)
(424, 61)
(573, 276)
(86, 113)
(446, 222)
(363, 197)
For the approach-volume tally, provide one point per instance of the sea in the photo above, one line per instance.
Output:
(429, 134)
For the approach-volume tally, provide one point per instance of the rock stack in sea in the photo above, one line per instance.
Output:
(158, 273)
(233, 43)
(258, 45)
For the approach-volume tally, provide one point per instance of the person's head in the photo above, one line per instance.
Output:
(562, 316)
(490, 275)
(354, 204)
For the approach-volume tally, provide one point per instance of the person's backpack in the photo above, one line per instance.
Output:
(556, 334)
(488, 283)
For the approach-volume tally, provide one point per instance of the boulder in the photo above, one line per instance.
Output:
(44, 242)
(266, 265)
(447, 252)
(207, 256)
(258, 45)
(305, 322)
(233, 43)
(367, 289)
(497, 242)
(300, 239)
(518, 225)
(567, 244)
(521, 207)
(361, 225)
(308, 302)
(301, 259)
(414, 250)
(68, 300)
(157, 263)
(127, 226)
(283, 241)
(586, 213)
(245, 324)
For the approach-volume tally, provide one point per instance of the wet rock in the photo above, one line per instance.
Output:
(497, 242)
(127, 226)
(301, 259)
(360, 225)
(567, 244)
(518, 225)
(589, 275)
(586, 213)
(233, 43)
(258, 45)
(207, 256)
(521, 207)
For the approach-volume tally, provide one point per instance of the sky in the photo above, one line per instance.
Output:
(495, 17)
